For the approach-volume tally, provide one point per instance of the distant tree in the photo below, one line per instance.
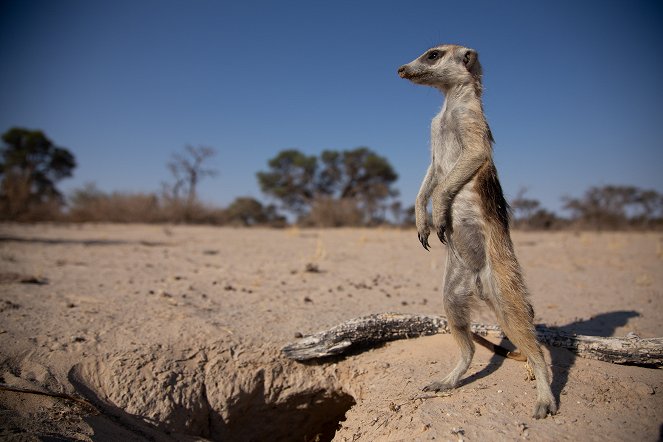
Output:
(249, 212)
(366, 178)
(397, 212)
(408, 218)
(646, 209)
(522, 207)
(615, 206)
(30, 166)
(187, 170)
(292, 179)
(357, 177)
(528, 213)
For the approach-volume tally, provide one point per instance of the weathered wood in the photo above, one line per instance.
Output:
(371, 330)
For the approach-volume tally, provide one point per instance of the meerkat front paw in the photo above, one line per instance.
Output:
(441, 231)
(440, 220)
(423, 237)
(423, 229)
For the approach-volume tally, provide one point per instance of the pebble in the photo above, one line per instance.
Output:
(643, 389)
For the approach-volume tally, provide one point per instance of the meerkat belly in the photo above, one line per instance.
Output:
(467, 237)
(446, 147)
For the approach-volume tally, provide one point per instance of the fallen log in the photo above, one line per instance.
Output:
(369, 331)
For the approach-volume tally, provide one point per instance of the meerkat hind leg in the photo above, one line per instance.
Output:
(458, 291)
(519, 329)
(463, 338)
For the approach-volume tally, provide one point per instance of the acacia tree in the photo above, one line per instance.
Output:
(292, 179)
(30, 166)
(368, 179)
(358, 178)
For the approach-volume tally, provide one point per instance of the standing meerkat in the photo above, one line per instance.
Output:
(470, 215)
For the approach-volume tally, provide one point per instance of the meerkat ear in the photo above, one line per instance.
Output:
(470, 58)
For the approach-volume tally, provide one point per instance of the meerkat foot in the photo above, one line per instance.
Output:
(543, 408)
(438, 386)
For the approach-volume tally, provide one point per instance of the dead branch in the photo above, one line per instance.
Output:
(369, 331)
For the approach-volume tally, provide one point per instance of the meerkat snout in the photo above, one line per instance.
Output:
(406, 72)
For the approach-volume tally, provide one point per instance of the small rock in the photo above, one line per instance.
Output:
(298, 335)
(458, 431)
(307, 299)
(312, 268)
(643, 389)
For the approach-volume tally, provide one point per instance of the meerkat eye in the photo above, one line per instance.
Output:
(434, 55)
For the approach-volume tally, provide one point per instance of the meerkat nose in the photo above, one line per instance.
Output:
(401, 70)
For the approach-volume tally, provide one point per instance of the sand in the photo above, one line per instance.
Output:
(174, 333)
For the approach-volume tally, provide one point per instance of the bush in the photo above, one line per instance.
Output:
(329, 212)
(89, 204)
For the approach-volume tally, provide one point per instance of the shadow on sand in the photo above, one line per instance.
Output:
(84, 242)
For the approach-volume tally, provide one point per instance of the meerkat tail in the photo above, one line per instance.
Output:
(498, 349)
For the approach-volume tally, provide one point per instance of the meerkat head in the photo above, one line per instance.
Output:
(444, 67)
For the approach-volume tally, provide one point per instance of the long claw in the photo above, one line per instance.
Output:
(440, 234)
(424, 241)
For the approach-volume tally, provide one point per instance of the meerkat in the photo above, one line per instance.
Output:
(470, 216)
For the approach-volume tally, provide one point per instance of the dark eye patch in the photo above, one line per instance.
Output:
(433, 56)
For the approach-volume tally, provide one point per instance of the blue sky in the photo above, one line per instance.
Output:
(573, 90)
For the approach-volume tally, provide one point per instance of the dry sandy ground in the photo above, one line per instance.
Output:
(173, 333)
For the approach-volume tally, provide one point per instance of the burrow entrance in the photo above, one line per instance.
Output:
(221, 394)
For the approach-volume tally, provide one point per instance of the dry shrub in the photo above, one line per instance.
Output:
(44, 211)
(328, 212)
(91, 205)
